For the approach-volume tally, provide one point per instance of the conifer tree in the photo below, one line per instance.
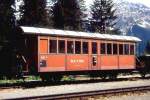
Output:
(34, 13)
(83, 14)
(7, 25)
(103, 16)
(57, 15)
(68, 14)
(7, 19)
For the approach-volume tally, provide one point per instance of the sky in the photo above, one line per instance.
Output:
(145, 2)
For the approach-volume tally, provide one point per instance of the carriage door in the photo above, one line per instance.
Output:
(94, 56)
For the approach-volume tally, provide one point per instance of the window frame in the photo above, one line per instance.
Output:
(117, 50)
(92, 47)
(69, 40)
(130, 53)
(82, 47)
(104, 48)
(39, 40)
(64, 47)
(52, 38)
(122, 49)
(110, 48)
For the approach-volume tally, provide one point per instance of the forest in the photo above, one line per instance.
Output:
(57, 14)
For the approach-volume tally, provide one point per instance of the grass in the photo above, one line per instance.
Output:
(5, 80)
(12, 81)
(68, 78)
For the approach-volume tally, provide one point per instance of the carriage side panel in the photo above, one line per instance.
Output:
(52, 63)
(109, 62)
(77, 62)
(126, 62)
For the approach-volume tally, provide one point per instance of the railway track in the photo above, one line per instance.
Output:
(85, 94)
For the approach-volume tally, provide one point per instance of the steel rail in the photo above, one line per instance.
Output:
(85, 93)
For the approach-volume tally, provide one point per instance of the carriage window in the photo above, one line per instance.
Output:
(132, 49)
(94, 48)
(53, 46)
(85, 47)
(115, 49)
(109, 48)
(61, 46)
(77, 47)
(103, 48)
(126, 49)
(121, 49)
(70, 47)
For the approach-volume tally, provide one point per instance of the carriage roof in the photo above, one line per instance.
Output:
(56, 32)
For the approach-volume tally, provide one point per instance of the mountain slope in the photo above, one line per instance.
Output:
(143, 33)
(130, 14)
(134, 19)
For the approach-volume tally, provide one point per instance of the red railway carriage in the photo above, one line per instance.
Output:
(52, 52)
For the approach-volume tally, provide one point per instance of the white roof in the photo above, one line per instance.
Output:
(46, 31)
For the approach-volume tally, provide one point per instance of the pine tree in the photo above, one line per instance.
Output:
(103, 16)
(34, 13)
(83, 14)
(7, 19)
(57, 15)
(68, 14)
(7, 25)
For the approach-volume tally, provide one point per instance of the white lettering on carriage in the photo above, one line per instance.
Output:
(44, 57)
(77, 61)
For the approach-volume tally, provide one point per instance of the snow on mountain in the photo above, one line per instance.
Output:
(130, 14)
(144, 24)
(145, 2)
(134, 20)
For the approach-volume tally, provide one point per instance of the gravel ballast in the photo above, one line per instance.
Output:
(62, 89)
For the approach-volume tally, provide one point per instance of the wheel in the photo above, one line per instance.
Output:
(57, 78)
(93, 76)
(103, 77)
(46, 78)
(113, 76)
(142, 74)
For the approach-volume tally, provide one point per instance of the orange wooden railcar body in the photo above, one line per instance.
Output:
(56, 62)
